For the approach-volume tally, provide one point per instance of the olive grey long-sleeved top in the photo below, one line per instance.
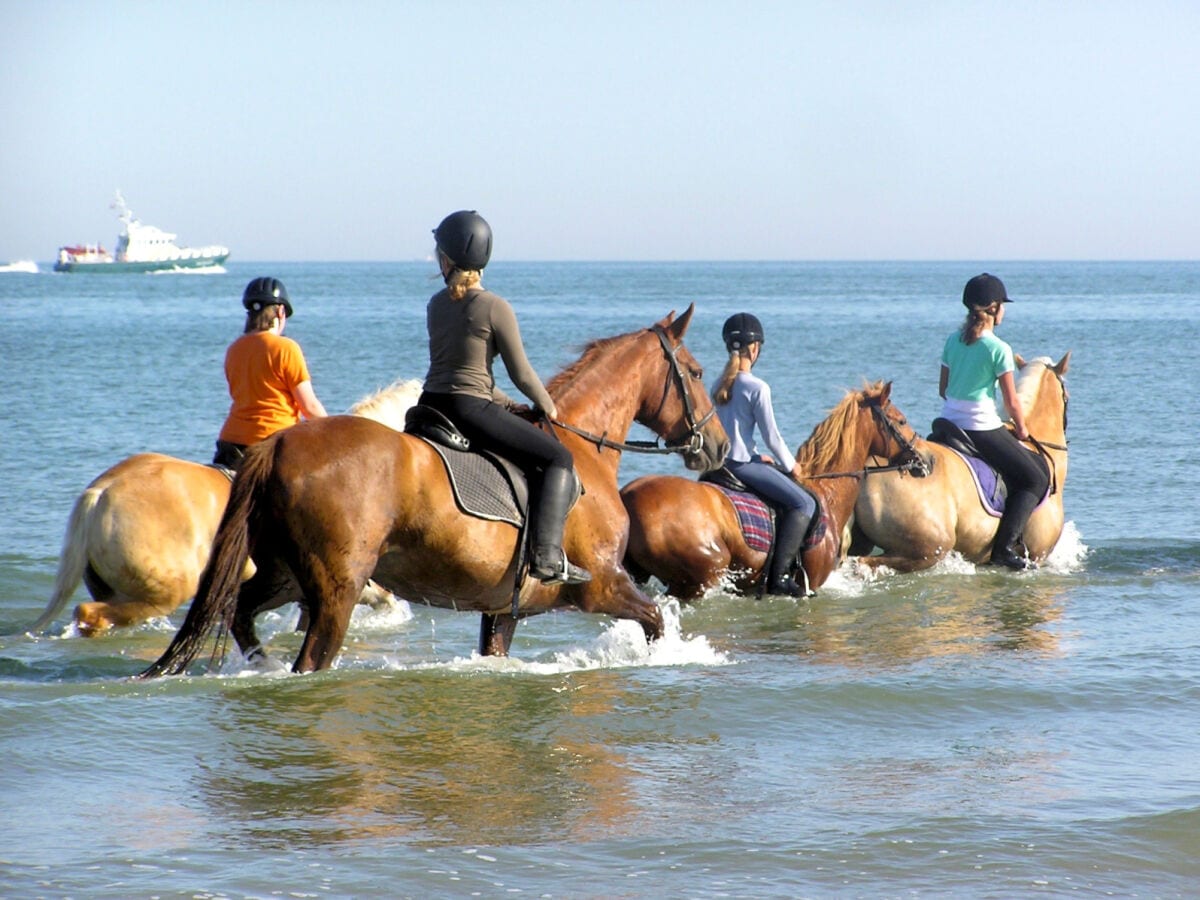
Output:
(465, 336)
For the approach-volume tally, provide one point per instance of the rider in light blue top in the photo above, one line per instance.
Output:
(743, 404)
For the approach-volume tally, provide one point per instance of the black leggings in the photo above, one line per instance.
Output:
(1023, 470)
(490, 424)
(1026, 476)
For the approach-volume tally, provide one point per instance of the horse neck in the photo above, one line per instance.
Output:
(603, 392)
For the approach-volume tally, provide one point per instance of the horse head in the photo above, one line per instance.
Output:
(675, 403)
(889, 434)
(1042, 392)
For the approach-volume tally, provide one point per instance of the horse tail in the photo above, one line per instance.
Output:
(217, 593)
(73, 559)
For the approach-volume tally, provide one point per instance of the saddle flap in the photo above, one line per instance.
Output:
(723, 478)
(950, 435)
(433, 425)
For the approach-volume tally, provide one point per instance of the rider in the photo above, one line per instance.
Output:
(973, 361)
(267, 375)
(743, 402)
(468, 327)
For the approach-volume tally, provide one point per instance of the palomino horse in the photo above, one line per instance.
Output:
(140, 534)
(917, 521)
(686, 533)
(326, 504)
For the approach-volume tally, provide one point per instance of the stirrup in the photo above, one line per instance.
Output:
(564, 573)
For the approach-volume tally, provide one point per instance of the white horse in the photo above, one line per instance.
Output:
(140, 534)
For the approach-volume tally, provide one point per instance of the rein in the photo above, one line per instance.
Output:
(913, 460)
(692, 442)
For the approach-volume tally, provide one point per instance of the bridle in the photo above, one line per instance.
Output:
(690, 443)
(908, 457)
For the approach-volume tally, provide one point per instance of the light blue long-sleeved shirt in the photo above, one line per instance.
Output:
(749, 407)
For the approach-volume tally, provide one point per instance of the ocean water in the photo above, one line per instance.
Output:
(965, 732)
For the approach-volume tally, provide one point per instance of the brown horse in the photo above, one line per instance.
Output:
(686, 533)
(326, 504)
(917, 521)
(140, 534)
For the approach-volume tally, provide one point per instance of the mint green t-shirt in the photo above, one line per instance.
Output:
(975, 368)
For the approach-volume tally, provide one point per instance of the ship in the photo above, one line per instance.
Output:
(140, 248)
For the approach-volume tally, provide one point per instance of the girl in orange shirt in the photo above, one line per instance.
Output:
(267, 375)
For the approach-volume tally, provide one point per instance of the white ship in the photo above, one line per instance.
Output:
(140, 248)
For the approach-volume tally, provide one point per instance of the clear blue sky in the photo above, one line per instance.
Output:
(608, 130)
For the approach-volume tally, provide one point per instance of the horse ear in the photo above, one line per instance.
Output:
(678, 327)
(886, 393)
(1019, 360)
(1061, 367)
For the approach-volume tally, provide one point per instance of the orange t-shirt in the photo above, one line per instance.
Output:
(262, 369)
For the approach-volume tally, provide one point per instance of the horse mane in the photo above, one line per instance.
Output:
(1029, 382)
(825, 444)
(583, 367)
(388, 405)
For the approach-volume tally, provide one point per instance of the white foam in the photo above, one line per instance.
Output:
(622, 644)
(1069, 554)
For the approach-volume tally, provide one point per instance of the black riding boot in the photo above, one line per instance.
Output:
(1017, 511)
(793, 525)
(549, 563)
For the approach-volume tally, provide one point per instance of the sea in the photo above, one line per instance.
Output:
(965, 731)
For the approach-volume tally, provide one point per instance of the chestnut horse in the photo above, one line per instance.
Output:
(139, 535)
(326, 504)
(917, 521)
(686, 533)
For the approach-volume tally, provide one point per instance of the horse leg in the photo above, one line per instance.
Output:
(329, 597)
(903, 564)
(496, 633)
(621, 599)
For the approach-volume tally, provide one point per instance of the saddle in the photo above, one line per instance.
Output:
(757, 517)
(993, 493)
(485, 484)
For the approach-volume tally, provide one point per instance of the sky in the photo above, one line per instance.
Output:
(610, 130)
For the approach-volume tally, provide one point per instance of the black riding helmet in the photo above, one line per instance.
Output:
(983, 291)
(466, 239)
(263, 292)
(741, 330)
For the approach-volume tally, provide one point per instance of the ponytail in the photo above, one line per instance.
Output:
(979, 319)
(724, 387)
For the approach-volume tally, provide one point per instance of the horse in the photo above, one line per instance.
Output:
(139, 535)
(326, 504)
(917, 521)
(686, 533)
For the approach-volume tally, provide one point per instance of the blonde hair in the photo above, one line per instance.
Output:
(459, 281)
(724, 386)
(979, 319)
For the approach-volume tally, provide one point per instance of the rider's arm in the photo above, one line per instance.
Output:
(1008, 391)
(764, 418)
(943, 381)
(512, 351)
(306, 399)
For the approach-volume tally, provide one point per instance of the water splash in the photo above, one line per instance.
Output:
(621, 644)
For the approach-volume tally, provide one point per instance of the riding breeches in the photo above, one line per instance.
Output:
(773, 485)
(1023, 470)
